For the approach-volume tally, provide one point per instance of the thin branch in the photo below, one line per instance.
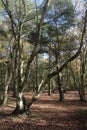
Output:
(23, 2)
(43, 14)
(10, 16)
(36, 12)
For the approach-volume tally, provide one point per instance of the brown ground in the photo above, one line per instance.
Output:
(47, 114)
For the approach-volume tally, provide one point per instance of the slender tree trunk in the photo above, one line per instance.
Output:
(14, 70)
(61, 95)
(82, 90)
(36, 73)
(49, 86)
(15, 90)
(79, 83)
(5, 92)
(5, 89)
(5, 95)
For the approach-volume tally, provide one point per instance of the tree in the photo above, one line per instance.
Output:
(54, 72)
(16, 27)
(60, 23)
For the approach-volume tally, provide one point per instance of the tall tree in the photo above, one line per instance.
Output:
(66, 62)
(16, 26)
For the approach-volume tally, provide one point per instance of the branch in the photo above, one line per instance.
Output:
(36, 48)
(43, 14)
(10, 16)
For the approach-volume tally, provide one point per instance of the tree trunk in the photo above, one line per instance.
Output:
(60, 88)
(49, 89)
(15, 90)
(36, 76)
(21, 106)
(61, 95)
(5, 95)
(82, 90)
(49, 86)
(82, 66)
(79, 84)
(5, 92)
(14, 71)
(82, 97)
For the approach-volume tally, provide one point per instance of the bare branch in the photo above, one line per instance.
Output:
(10, 16)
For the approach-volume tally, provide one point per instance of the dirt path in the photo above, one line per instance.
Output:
(47, 114)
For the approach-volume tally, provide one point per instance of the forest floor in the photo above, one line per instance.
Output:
(47, 114)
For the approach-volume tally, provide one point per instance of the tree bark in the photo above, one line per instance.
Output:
(21, 106)
(49, 85)
(61, 95)
(36, 76)
(5, 92)
(15, 90)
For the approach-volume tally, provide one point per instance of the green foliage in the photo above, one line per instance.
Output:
(44, 38)
(62, 12)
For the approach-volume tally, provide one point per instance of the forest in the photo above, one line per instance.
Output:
(43, 65)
